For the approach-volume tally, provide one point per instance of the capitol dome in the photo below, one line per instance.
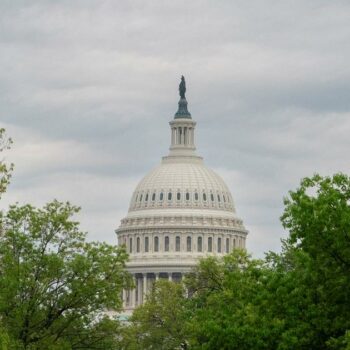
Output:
(179, 212)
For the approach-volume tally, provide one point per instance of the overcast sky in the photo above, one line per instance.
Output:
(87, 89)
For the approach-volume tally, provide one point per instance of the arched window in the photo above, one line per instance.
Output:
(156, 244)
(219, 245)
(227, 245)
(146, 199)
(210, 244)
(218, 198)
(187, 196)
(177, 243)
(138, 244)
(178, 196)
(196, 196)
(137, 196)
(166, 243)
(146, 244)
(170, 196)
(212, 197)
(199, 244)
(161, 196)
(189, 244)
(234, 243)
(130, 245)
(228, 199)
(223, 196)
(204, 197)
(141, 198)
(153, 196)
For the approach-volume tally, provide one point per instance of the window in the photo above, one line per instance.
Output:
(204, 197)
(141, 198)
(218, 198)
(219, 245)
(153, 197)
(146, 199)
(212, 197)
(136, 197)
(169, 196)
(189, 244)
(156, 244)
(178, 196)
(210, 244)
(223, 196)
(187, 196)
(177, 243)
(234, 243)
(199, 244)
(146, 244)
(166, 243)
(161, 196)
(196, 196)
(130, 245)
(227, 245)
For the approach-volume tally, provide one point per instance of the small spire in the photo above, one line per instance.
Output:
(182, 112)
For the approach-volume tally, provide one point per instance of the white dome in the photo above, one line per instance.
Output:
(185, 184)
(180, 211)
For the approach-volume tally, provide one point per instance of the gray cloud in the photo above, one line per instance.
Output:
(87, 89)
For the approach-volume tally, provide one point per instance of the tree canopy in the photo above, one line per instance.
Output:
(55, 286)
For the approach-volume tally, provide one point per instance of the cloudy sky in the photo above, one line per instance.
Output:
(87, 89)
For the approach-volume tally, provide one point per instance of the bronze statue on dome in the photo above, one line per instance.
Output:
(182, 87)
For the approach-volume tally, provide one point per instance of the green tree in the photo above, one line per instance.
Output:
(230, 304)
(317, 216)
(5, 168)
(160, 323)
(55, 286)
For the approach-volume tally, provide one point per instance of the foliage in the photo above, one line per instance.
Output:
(5, 169)
(317, 216)
(160, 322)
(53, 284)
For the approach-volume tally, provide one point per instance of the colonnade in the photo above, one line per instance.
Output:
(182, 135)
(143, 283)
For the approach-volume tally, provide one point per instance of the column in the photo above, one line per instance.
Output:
(144, 287)
(124, 298)
(139, 291)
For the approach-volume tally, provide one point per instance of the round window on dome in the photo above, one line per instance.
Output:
(178, 196)
(161, 196)
(170, 195)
